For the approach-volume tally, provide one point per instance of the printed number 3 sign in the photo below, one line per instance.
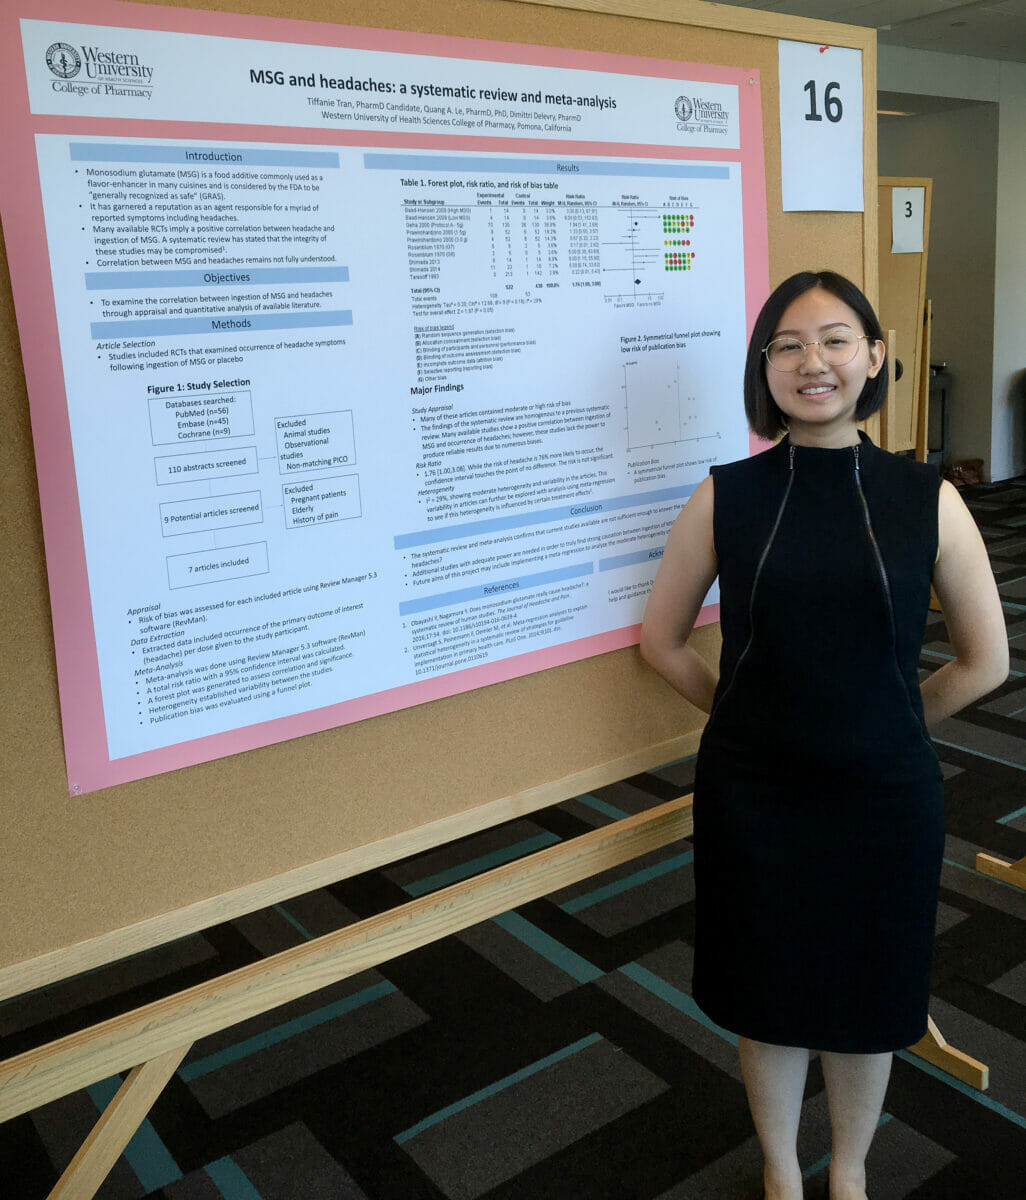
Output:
(820, 127)
(908, 206)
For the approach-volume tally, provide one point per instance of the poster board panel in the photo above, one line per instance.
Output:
(138, 864)
(326, 473)
(903, 306)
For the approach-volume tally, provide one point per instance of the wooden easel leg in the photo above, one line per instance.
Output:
(935, 1050)
(1008, 872)
(113, 1131)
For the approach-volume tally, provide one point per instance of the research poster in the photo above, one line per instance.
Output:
(383, 362)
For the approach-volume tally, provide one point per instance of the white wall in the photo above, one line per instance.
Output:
(922, 72)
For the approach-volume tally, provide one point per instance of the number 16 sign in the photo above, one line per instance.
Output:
(820, 127)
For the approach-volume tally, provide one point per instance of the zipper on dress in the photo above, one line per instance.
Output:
(923, 731)
(875, 546)
(755, 581)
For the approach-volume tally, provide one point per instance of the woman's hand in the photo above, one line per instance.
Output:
(964, 583)
(685, 574)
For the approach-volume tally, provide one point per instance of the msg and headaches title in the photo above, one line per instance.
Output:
(426, 91)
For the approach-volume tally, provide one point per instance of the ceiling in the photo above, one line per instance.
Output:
(984, 29)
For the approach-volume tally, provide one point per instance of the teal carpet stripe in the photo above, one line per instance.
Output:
(230, 1180)
(677, 999)
(1012, 816)
(814, 1170)
(601, 806)
(146, 1154)
(500, 1085)
(995, 1106)
(283, 912)
(475, 866)
(95, 970)
(637, 879)
(559, 955)
(1019, 766)
(950, 862)
(281, 1033)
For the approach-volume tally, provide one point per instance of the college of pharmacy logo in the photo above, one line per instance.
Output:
(98, 70)
(63, 60)
(695, 114)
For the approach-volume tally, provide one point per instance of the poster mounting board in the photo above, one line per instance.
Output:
(382, 386)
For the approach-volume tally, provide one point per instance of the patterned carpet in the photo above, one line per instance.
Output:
(555, 1053)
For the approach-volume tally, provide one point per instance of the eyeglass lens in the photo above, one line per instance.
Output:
(836, 349)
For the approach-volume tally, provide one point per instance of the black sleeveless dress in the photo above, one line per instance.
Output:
(818, 812)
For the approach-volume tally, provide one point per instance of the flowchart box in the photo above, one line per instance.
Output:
(319, 501)
(206, 464)
(191, 418)
(313, 441)
(215, 566)
(210, 512)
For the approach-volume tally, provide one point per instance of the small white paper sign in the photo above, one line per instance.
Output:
(820, 128)
(908, 205)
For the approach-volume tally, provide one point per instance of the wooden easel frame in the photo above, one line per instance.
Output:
(151, 1042)
(880, 426)
(906, 430)
(1000, 868)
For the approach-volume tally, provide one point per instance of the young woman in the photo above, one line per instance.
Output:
(818, 810)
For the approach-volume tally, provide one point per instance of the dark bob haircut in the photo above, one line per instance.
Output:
(764, 416)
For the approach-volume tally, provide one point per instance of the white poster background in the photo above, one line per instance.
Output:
(349, 418)
(820, 128)
(908, 210)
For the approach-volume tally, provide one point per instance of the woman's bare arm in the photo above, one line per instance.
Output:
(964, 583)
(685, 575)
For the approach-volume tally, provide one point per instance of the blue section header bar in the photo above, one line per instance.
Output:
(172, 326)
(585, 508)
(542, 166)
(631, 560)
(201, 156)
(489, 591)
(105, 281)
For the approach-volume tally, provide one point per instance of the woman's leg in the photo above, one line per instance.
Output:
(855, 1087)
(775, 1083)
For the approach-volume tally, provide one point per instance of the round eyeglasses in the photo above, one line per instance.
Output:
(835, 349)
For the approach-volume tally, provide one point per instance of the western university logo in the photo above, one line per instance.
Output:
(697, 115)
(98, 71)
(63, 60)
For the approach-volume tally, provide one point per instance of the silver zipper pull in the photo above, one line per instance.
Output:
(790, 458)
(856, 449)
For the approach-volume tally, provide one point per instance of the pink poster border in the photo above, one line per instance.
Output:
(85, 739)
